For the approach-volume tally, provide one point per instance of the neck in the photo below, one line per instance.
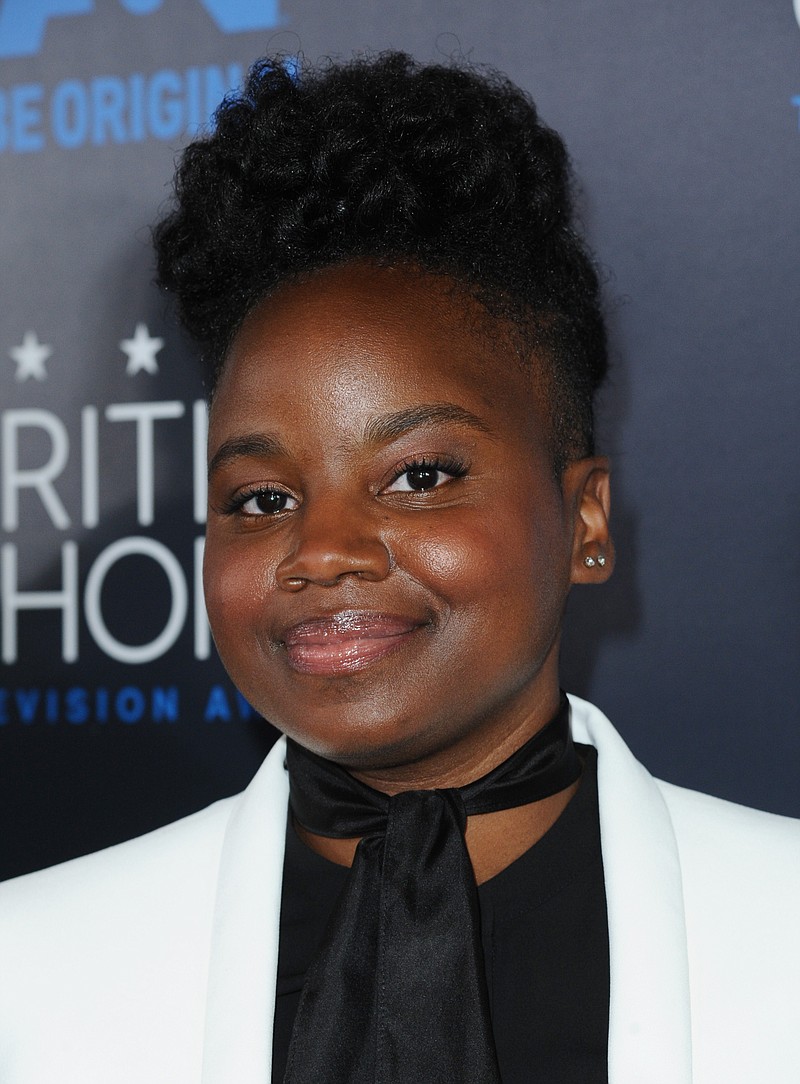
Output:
(474, 755)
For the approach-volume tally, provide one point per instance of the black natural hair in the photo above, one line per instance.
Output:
(442, 168)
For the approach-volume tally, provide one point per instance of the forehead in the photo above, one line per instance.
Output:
(356, 339)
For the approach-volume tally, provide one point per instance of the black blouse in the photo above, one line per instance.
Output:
(545, 941)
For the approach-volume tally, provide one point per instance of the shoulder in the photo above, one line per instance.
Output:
(105, 961)
(118, 875)
(701, 823)
(731, 831)
(740, 867)
(140, 887)
(178, 855)
(90, 944)
(740, 883)
(705, 893)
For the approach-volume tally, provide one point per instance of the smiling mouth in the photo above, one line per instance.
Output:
(345, 642)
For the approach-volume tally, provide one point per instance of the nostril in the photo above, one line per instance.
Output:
(327, 558)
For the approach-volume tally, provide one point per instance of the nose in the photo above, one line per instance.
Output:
(333, 540)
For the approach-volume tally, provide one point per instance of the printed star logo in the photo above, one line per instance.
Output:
(30, 357)
(141, 351)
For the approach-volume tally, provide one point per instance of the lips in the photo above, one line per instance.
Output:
(347, 641)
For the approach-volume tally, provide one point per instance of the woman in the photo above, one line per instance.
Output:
(405, 335)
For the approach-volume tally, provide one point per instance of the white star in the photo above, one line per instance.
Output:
(30, 357)
(141, 351)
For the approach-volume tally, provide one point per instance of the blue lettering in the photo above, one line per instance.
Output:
(26, 116)
(141, 7)
(245, 710)
(69, 112)
(27, 703)
(23, 22)
(195, 118)
(218, 84)
(130, 704)
(108, 109)
(136, 108)
(108, 103)
(3, 707)
(237, 16)
(217, 706)
(76, 705)
(165, 704)
(51, 705)
(101, 705)
(165, 113)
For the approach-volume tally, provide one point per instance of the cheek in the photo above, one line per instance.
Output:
(445, 561)
(472, 561)
(234, 580)
(506, 576)
(449, 555)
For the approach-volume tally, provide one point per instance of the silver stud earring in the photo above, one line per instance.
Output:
(589, 561)
(601, 560)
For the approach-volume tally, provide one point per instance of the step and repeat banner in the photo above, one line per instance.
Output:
(683, 120)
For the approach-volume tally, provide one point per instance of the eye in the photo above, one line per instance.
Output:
(421, 475)
(266, 502)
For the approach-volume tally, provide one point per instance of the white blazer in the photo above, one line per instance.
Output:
(154, 962)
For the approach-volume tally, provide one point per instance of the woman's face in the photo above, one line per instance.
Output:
(388, 551)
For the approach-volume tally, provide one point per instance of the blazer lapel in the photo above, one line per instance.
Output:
(243, 966)
(650, 1023)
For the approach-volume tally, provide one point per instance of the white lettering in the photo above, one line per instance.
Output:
(202, 630)
(39, 478)
(140, 653)
(144, 414)
(90, 481)
(199, 442)
(66, 600)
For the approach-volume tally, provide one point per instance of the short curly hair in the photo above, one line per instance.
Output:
(446, 169)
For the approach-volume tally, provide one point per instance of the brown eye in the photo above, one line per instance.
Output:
(268, 502)
(420, 478)
(424, 474)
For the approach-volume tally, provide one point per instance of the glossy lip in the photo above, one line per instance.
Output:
(343, 642)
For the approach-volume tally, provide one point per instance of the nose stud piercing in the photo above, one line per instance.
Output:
(590, 561)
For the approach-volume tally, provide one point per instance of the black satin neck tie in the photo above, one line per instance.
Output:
(397, 991)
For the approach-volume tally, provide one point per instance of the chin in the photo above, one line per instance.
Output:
(369, 744)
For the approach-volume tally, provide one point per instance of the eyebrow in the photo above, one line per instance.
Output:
(391, 426)
(377, 431)
(250, 445)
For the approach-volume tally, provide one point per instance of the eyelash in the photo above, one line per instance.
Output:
(455, 468)
(237, 503)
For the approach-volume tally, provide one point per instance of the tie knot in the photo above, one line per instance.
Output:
(426, 810)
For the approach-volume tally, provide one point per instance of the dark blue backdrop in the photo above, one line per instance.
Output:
(682, 119)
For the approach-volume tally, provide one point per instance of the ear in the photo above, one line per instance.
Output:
(587, 492)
